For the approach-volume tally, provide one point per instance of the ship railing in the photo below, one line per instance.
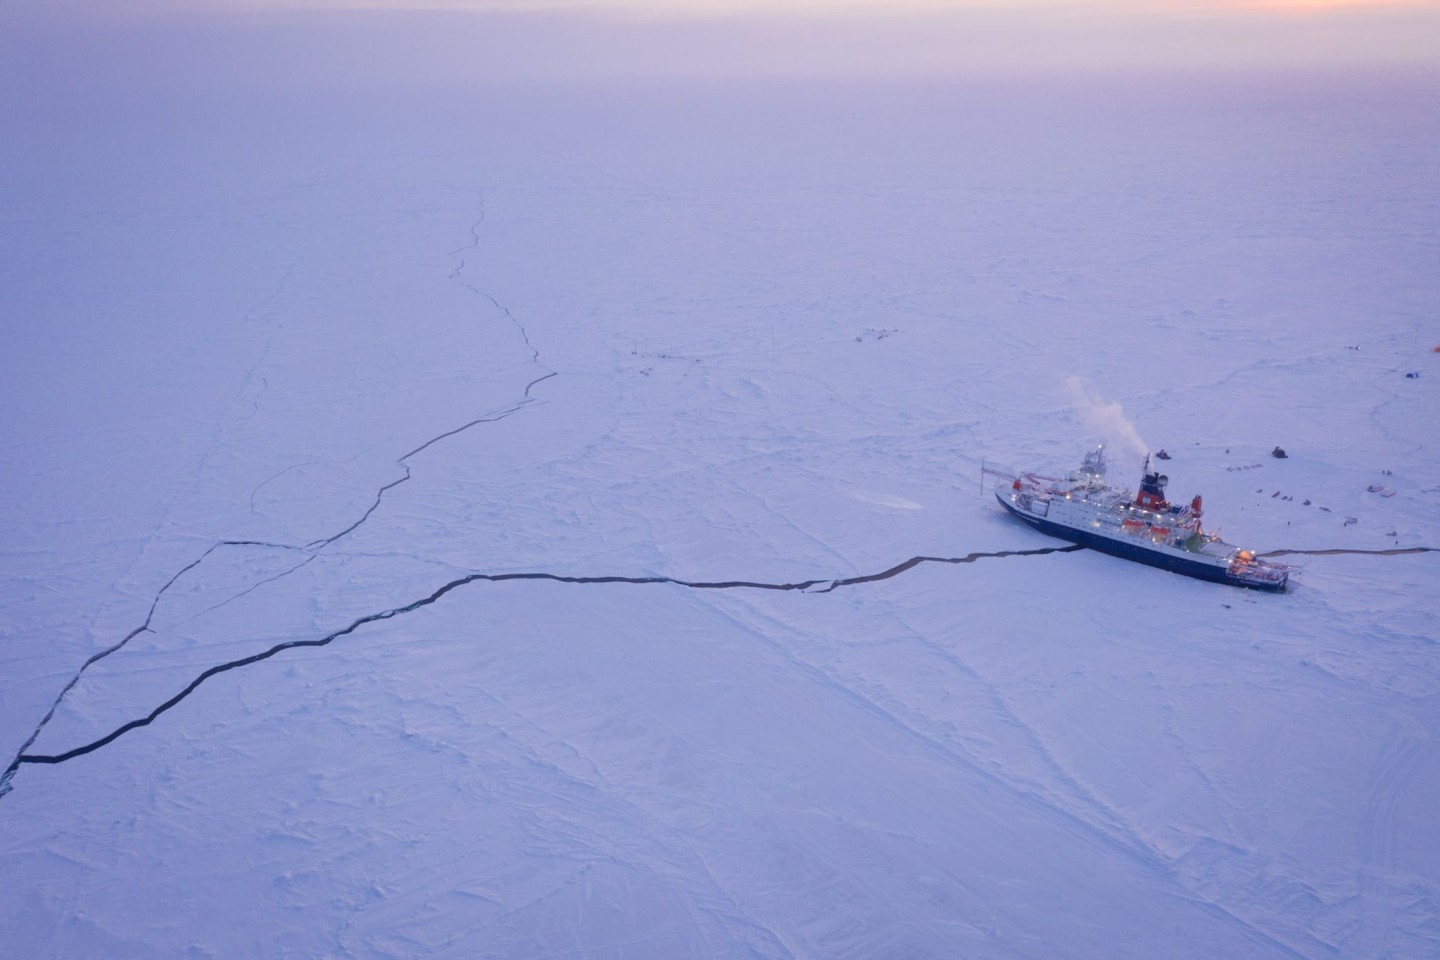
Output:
(1033, 484)
(1022, 477)
(1260, 570)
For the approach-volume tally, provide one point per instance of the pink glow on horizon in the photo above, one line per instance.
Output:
(682, 9)
(550, 40)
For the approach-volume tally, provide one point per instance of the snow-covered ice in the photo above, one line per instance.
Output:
(271, 375)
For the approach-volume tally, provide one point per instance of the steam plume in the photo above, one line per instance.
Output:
(1107, 418)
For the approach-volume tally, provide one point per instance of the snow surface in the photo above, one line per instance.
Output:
(267, 375)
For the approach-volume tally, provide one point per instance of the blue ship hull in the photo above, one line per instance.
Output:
(1129, 551)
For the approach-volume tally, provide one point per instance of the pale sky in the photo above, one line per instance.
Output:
(456, 40)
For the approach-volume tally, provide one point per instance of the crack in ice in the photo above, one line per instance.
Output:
(803, 585)
(1344, 551)
(315, 545)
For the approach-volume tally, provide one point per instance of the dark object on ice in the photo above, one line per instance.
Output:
(1412, 376)
(1279, 453)
(1307, 503)
(1085, 508)
(1162, 455)
(1275, 494)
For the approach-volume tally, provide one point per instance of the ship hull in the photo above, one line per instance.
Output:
(1153, 558)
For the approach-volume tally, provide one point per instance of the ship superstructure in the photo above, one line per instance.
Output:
(1142, 526)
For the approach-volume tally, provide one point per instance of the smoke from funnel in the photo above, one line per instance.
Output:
(1106, 418)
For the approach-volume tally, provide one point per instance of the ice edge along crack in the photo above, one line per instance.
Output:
(195, 684)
